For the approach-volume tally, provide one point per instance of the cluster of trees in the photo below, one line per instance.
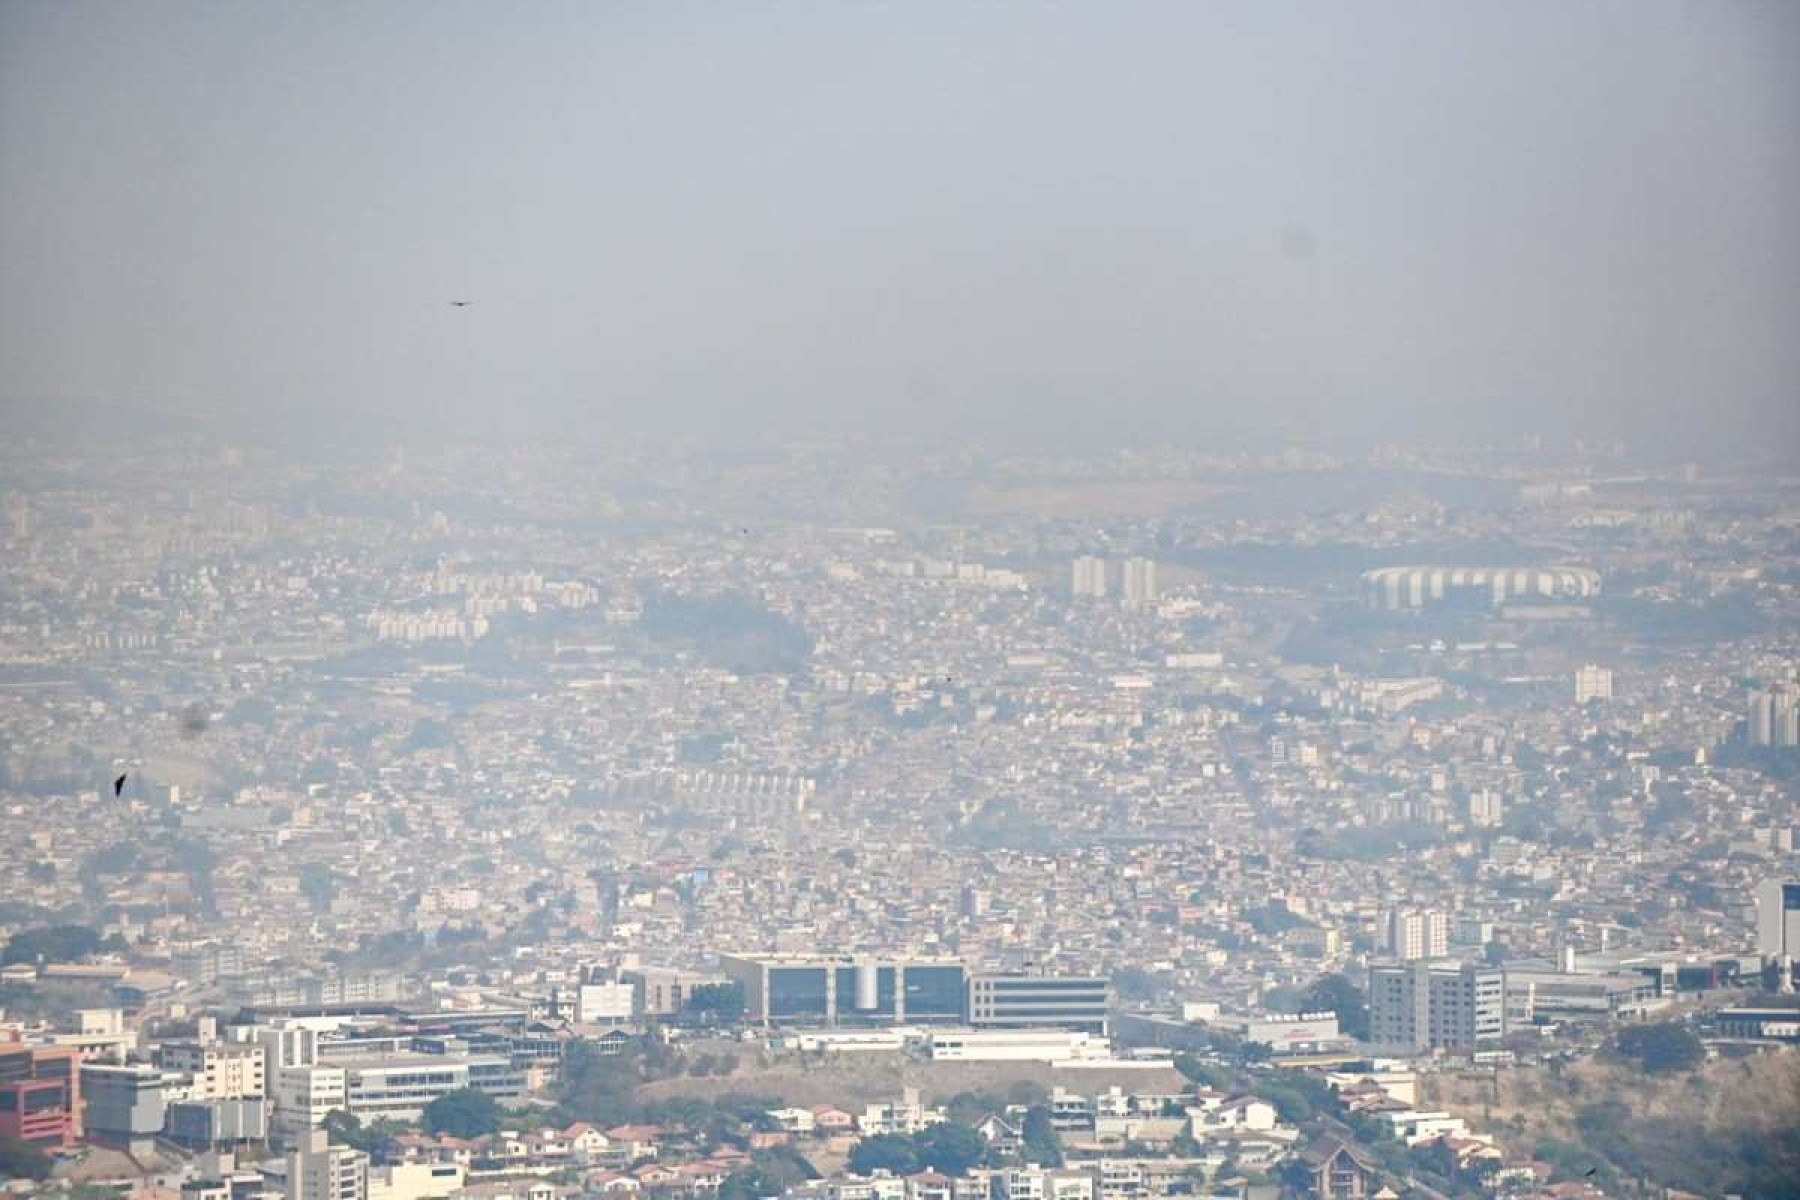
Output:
(733, 630)
(602, 1088)
(713, 1064)
(770, 1173)
(58, 943)
(347, 1127)
(1662, 1048)
(1742, 1157)
(599, 1087)
(22, 1160)
(949, 1147)
(1336, 994)
(464, 1113)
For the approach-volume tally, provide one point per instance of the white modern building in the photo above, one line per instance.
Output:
(1138, 582)
(1088, 577)
(1427, 1005)
(1411, 935)
(220, 1070)
(317, 1170)
(302, 1096)
(1778, 920)
(1014, 1045)
(1593, 682)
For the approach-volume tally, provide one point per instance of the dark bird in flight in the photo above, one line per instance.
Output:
(1591, 1170)
(461, 303)
(118, 786)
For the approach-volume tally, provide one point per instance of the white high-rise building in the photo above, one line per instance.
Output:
(1778, 919)
(1436, 1005)
(1486, 808)
(1089, 577)
(1139, 581)
(321, 1171)
(604, 1002)
(302, 1097)
(1774, 717)
(1413, 935)
(1593, 682)
(220, 1070)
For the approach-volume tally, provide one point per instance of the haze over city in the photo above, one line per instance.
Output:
(899, 602)
(904, 217)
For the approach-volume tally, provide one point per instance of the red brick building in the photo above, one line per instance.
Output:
(40, 1087)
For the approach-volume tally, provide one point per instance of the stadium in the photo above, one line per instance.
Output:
(1396, 588)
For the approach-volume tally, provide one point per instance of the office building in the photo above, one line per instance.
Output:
(39, 1090)
(1774, 717)
(1289, 1034)
(1410, 935)
(1040, 1002)
(122, 1106)
(210, 1124)
(1427, 1005)
(662, 991)
(1486, 808)
(286, 1044)
(974, 902)
(1593, 683)
(1138, 582)
(221, 1071)
(1560, 994)
(416, 1181)
(317, 1170)
(1089, 577)
(831, 990)
(1778, 920)
(605, 1002)
(1014, 1045)
(1755, 1023)
(302, 1096)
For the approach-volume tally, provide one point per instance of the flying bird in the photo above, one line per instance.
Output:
(461, 303)
(118, 786)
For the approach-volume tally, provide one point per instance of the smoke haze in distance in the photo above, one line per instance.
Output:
(1467, 218)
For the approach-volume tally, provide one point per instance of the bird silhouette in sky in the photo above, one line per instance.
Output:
(118, 786)
(461, 303)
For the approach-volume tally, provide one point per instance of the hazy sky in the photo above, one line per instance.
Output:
(1551, 214)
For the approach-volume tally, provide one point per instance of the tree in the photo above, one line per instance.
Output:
(1133, 983)
(888, 1152)
(54, 943)
(318, 884)
(1297, 1096)
(597, 1087)
(1206, 1074)
(749, 1183)
(22, 1160)
(1042, 1145)
(949, 1148)
(968, 1108)
(1661, 1048)
(1027, 1092)
(464, 1113)
(345, 1127)
(784, 1167)
(1336, 994)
